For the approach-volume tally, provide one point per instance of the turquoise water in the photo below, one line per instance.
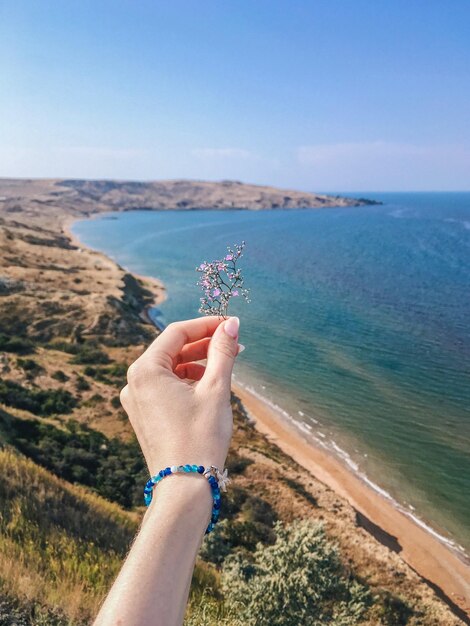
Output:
(358, 328)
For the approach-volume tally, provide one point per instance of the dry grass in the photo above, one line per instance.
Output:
(60, 546)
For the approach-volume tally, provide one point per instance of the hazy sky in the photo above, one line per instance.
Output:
(328, 95)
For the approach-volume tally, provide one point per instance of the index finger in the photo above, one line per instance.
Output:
(171, 341)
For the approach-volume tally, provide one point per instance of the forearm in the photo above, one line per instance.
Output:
(152, 587)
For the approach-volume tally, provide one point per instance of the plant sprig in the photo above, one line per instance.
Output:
(222, 280)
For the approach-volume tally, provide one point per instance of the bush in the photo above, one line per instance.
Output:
(41, 402)
(30, 366)
(63, 346)
(60, 376)
(256, 509)
(115, 469)
(116, 402)
(13, 614)
(298, 580)
(236, 463)
(15, 344)
(394, 611)
(82, 384)
(89, 354)
(112, 375)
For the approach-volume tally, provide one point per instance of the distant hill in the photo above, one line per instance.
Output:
(113, 195)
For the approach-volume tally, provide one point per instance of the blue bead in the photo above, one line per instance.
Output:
(194, 468)
(161, 473)
(200, 469)
(217, 504)
(187, 468)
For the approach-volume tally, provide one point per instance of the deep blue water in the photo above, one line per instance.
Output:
(358, 327)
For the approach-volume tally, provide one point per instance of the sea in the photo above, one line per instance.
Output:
(358, 330)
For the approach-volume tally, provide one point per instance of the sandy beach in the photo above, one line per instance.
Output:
(426, 554)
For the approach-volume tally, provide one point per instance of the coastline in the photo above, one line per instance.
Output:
(55, 273)
(422, 550)
(438, 564)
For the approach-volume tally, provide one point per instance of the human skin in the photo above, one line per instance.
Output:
(180, 411)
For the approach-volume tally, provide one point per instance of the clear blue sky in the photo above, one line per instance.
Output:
(311, 94)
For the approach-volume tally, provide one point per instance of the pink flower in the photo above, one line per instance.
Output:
(220, 281)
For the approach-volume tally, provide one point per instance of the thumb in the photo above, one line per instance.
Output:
(223, 349)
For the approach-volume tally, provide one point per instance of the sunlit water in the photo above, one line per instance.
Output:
(358, 328)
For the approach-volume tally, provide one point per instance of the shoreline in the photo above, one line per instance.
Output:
(430, 557)
(416, 544)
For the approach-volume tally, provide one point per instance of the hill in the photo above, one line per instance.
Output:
(85, 196)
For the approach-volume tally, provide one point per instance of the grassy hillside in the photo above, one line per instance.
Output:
(60, 545)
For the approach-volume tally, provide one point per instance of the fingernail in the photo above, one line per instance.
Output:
(231, 327)
(241, 347)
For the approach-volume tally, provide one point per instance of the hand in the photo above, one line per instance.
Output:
(180, 409)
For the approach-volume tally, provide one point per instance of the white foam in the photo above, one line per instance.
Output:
(339, 452)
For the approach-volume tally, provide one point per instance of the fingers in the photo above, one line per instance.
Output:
(171, 341)
(223, 349)
(194, 351)
(192, 371)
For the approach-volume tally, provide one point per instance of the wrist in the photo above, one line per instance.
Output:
(186, 497)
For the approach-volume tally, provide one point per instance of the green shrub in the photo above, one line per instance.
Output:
(95, 399)
(215, 547)
(233, 501)
(82, 384)
(16, 344)
(89, 354)
(41, 402)
(298, 580)
(230, 535)
(12, 613)
(394, 611)
(30, 367)
(116, 402)
(115, 469)
(63, 346)
(112, 375)
(60, 376)
(256, 509)
(236, 463)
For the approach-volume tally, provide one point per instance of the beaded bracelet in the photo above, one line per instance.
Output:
(217, 480)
